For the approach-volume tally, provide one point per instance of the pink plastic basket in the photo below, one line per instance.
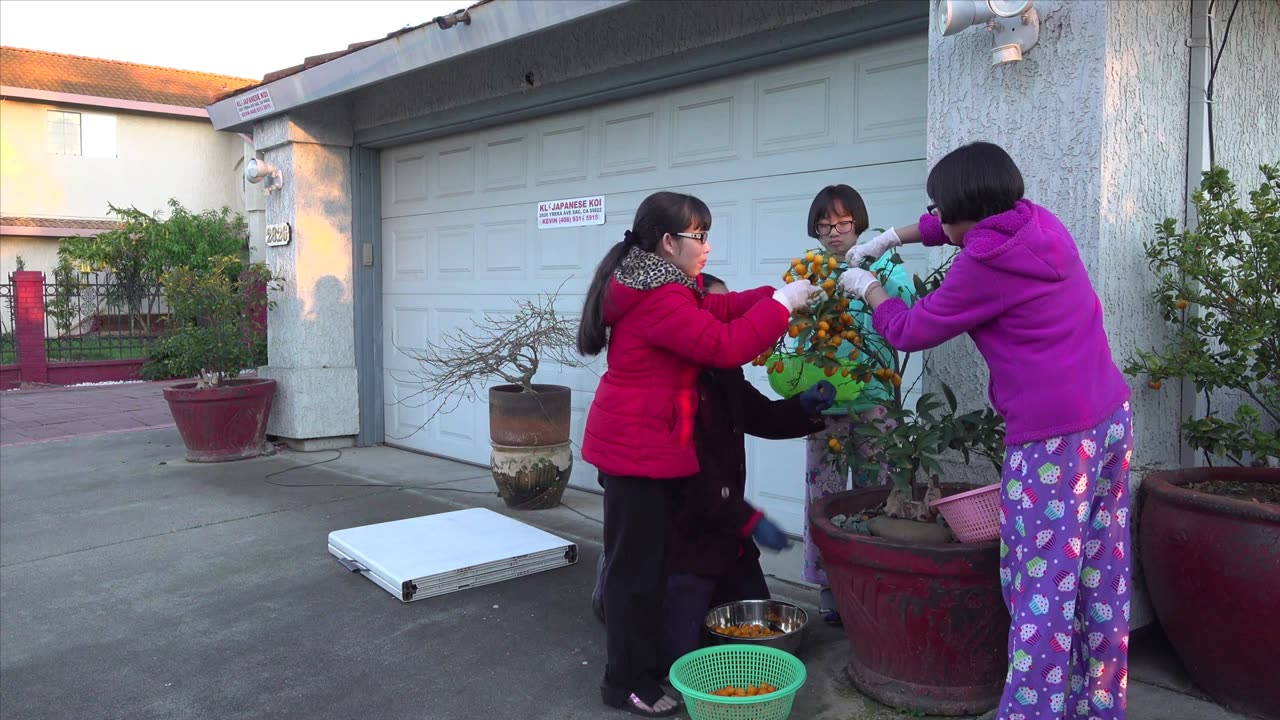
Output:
(973, 516)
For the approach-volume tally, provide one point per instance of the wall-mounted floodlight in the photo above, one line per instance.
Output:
(1014, 24)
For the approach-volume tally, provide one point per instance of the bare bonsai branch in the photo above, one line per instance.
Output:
(463, 363)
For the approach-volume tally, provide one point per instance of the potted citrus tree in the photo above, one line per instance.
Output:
(924, 614)
(1210, 535)
(531, 456)
(214, 332)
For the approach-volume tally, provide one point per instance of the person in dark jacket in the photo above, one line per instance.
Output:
(713, 556)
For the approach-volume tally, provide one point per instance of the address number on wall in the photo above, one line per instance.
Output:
(278, 234)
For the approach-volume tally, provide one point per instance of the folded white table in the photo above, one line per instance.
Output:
(436, 554)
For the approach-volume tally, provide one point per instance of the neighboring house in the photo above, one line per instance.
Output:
(78, 133)
(412, 168)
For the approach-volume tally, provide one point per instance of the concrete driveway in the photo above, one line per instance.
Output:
(136, 585)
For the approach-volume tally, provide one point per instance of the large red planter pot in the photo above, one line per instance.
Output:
(927, 625)
(228, 422)
(1212, 567)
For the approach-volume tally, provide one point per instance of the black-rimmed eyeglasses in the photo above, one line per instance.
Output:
(826, 228)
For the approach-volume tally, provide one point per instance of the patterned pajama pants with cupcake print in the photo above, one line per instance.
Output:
(1064, 567)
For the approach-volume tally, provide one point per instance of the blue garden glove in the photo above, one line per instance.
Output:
(768, 535)
(818, 398)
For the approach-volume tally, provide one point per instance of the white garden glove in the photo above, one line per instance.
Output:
(856, 282)
(873, 248)
(794, 296)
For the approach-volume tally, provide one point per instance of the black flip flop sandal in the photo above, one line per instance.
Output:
(632, 703)
(827, 610)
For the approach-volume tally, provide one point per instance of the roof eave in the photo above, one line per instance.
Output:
(62, 98)
(49, 232)
(492, 24)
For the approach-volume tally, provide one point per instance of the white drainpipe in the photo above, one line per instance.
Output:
(1197, 164)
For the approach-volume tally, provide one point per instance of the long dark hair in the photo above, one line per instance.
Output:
(659, 214)
(974, 182)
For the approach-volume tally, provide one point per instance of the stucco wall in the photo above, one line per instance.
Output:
(157, 158)
(310, 330)
(1095, 116)
(1246, 106)
(616, 39)
(1143, 171)
(1246, 101)
(37, 253)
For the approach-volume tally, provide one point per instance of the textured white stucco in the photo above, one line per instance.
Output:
(1096, 117)
(311, 342)
(1246, 106)
(1143, 170)
(1246, 101)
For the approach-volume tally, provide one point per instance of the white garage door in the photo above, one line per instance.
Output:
(460, 237)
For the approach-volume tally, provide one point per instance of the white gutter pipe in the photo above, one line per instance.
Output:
(491, 24)
(1197, 164)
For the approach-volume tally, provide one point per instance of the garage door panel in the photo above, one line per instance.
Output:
(504, 162)
(629, 137)
(562, 150)
(503, 249)
(777, 232)
(461, 238)
(453, 171)
(453, 248)
(795, 109)
(706, 126)
(888, 102)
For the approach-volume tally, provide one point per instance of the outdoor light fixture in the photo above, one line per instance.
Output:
(257, 170)
(1014, 24)
(444, 22)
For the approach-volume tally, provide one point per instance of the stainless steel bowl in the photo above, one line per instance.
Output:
(789, 619)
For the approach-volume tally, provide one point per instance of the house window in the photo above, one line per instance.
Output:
(64, 133)
(87, 134)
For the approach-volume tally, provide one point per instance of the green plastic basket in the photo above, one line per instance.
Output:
(702, 672)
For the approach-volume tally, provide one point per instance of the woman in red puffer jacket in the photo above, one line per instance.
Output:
(647, 306)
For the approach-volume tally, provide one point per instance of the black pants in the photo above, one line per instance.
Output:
(690, 597)
(637, 518)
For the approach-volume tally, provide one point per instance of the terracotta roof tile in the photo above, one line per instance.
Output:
(70, 223)
(55, 72)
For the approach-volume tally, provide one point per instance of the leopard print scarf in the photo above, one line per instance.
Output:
(642, 270)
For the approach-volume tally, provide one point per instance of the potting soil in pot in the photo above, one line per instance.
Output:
(877, 525)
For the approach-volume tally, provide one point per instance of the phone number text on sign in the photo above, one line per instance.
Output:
(254, 104)
(571, 213)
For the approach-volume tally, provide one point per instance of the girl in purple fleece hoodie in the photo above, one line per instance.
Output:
(1020, 290)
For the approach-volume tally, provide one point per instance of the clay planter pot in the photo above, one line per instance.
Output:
(1212, 567)
(927, 624)
(529, 432)
(228, 422)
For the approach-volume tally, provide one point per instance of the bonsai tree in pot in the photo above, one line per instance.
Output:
(1210, 536)
(528, 422)
(909, 442)
(882, 547)
(215, 330)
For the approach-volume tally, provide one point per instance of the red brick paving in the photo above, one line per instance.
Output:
(44, 414)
